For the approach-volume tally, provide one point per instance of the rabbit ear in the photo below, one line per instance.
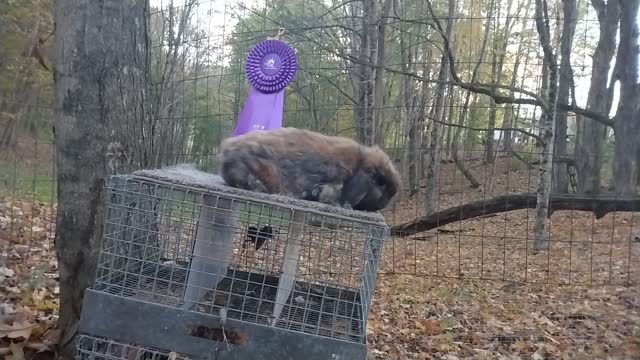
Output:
(356, 187)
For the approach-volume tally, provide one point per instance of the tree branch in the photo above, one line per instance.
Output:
(523, 160)
(600, 206)
(483, 89)
(558, 159)
(528, 133)
(535, 99)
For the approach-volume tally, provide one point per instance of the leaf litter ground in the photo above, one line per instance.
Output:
(481, 291)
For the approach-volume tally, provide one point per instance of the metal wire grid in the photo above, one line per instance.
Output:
(496, 248)
(585, 250)
(148, 241)
(93, 348)
(26, 188)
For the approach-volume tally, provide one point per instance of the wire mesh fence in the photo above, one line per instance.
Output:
(592, 243)
(454, 147)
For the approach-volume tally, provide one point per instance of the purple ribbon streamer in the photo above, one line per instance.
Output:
(260, 112)
(270, 66)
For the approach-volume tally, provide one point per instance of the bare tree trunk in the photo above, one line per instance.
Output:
(380, 29)
(433, 149)
(17, 113)
(408, 101)
(515, 113)
(421, 120)
(366, 79)
(560, 172)
(496, 71)
(366, 73)
(437, 113)
(547, 122)
(451, 100)
(7, 136)
(164, 131)
(589, 133)
(456, 140)
(370, 31)
(465, 108)
(489, 141)
(509, 116)
(413, 109)
(497, 65)
(509, 113)
(92, 79)
(508, 124)
(448, 142)
(627, 125)
(353, 14)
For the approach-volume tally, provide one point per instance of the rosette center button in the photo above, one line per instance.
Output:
(270, 64)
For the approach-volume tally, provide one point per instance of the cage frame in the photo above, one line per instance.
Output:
(173, 326)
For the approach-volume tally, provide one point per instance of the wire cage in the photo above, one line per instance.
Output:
(191, 258)
(94, 348)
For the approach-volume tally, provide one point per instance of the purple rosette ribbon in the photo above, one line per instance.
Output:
(270, 66)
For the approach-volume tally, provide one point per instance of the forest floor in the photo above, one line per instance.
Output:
(470, 290)
(486, 294)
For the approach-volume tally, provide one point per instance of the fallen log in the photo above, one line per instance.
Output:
(600, 205)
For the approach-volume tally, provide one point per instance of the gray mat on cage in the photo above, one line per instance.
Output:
(187, 175)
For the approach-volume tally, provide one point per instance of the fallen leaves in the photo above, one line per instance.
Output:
(41, 299)
(427, 327)
(22, 333)
(474, 295)
(15, 326)
(28, 285)
(16, 352)
(533, 322)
